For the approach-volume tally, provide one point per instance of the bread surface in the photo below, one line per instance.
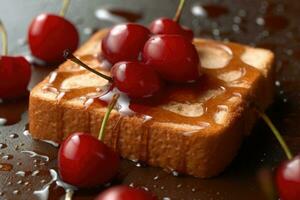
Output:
(197, 132)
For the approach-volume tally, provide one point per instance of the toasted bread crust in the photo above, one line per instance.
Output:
(201, 153)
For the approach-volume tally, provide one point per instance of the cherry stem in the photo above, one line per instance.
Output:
(277, 134)
(69, 56)
(69, 194)
(179, 11)
(106, 116)
(64, 8)
(4, 38)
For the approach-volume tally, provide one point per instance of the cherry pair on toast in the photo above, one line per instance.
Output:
(135, 79)
(172, 56)
(171, 52)
(288, 173)
(125, 42)
(85, 161)
(126, 193)
(15, 72)
(49, 35)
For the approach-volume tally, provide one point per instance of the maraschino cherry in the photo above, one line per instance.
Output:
(288, 172)
(15, 72)
(49, 35)
(135, 79)
(173, 56)
(124, 42)
(85, 161)
(126, 193)
(171, 26)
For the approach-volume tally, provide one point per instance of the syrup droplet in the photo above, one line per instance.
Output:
(5, 167)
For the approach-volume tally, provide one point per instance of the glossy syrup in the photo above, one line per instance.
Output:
(163, 108)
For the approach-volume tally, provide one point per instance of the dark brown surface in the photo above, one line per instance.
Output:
(270, 24)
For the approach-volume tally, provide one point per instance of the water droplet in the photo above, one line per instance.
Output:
(19, 182)
(156, 178)
(7, 157)
(2, 121)
(13, 135)
(237, 19)
(88, 30)
(16, 192)
(193, 190)
(34, 173)
(33, 154)
(22, 41)
(131, 185)
(145, 188)
(260, 21)
(138, 164)
(21, 173)
(175, 173)
(2, 146)
(26, 133)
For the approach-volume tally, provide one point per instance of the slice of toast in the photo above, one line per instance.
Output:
(195, 129)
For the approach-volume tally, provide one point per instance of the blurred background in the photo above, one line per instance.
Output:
(272, 24)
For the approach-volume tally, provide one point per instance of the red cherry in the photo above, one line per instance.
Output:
(15, 74)
(188, 33)
(126, 193)
(173, 56)
(49, 35)
(169, 26)
(85, 161)
(124, 42)
(135, 79)
(288, 179)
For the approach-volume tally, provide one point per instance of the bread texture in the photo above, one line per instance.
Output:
(196, 133)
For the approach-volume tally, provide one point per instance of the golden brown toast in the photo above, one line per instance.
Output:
(195, 128)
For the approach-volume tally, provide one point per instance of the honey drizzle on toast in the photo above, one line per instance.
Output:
(183, 93)
(214, 107)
